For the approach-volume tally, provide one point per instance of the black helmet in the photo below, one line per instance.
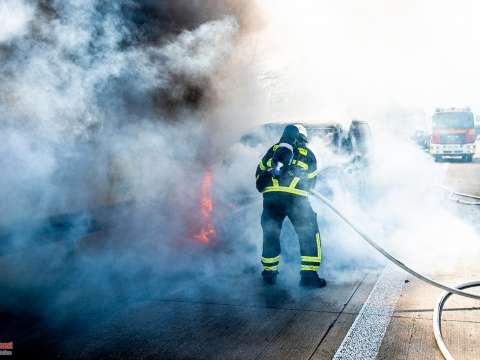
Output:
(294, 134)
(290, 134)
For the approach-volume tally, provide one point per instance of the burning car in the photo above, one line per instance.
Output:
(330, 134)
(354, 144)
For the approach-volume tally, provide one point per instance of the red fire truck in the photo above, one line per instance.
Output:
(453, 134)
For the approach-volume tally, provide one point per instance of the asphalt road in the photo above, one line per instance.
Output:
(249, 321)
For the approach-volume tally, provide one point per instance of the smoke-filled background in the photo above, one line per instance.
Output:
(136, 107)
(121, 107)
(391, 64)
(114, 80)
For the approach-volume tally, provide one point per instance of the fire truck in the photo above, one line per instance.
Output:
(453, 134)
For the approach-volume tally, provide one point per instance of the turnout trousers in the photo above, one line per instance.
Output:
(276, 207)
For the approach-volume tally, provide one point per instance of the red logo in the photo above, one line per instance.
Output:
(6, 346)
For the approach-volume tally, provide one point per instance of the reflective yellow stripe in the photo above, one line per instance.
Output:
(301, 164)
(275, 182)
(269, 162)
(261, 166)
(312, 174)
(285, 189)
(270, 260)
(303, 151)
(311, 258)
(258, 177)
(294, 182)
(275, 147)
(309, 268)
(319, 247)
(272, 268)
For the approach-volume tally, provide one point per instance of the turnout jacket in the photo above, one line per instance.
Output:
(298, 178)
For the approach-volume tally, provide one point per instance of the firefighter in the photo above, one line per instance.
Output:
(285, 175)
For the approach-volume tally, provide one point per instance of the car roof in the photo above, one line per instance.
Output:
(307, 125)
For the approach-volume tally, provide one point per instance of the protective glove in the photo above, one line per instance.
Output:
(277, 170)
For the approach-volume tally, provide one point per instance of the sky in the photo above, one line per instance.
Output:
(347, 58)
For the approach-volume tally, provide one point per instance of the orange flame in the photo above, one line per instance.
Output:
(207, 231)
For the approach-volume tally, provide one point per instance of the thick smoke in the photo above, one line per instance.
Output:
(86, 76)
(15, 17)
(111, 112)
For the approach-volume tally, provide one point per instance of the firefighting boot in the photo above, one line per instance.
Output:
(311, 279)
(269, 276)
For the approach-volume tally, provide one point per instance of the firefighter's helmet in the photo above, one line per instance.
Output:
(302, 133)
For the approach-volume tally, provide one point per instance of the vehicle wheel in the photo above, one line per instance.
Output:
(468, 158)
(438, 158)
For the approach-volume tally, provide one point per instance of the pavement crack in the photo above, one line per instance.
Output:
(443, 320)
(431, 310)
(330, 327)
(277, 334)
(299, 309)
(412, 331)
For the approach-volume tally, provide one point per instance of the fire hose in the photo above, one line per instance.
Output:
(437, 315)
(456, 197)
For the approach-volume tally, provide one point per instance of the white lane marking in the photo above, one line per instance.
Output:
(364, 338)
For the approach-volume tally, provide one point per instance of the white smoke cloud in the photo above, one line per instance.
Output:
(15, 16)
(80, 84)
(197, 54)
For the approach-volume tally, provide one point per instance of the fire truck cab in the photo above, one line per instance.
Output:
(453, 134)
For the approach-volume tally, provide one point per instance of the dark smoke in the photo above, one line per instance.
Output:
(80, 73)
